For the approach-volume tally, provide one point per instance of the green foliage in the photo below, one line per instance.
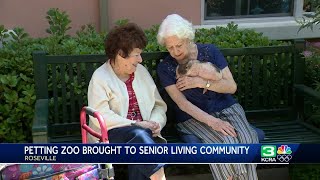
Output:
(223, 37)
(89, 41)
(311, 20)
(312, 69)
(19, 34)
(304, 172)
(233, 37)
(16, 91)
(151, 35)
(312, 79)
(59, 22)
(121, 22)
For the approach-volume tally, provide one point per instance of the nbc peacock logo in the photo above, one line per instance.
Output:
(284, 153)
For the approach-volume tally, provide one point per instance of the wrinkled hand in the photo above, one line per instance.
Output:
(153, 126)
(222, 126)
(187, 82)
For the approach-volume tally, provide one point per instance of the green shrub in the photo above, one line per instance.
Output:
(17, 94)
(304, 171)
(311, 20)
(59, 23)
(312, 69)
(233, 37)
(223, 37)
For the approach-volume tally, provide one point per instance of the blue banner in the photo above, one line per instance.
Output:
(159, 153)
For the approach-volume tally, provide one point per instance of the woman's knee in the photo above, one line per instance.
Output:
(141, 135)
(250, 137)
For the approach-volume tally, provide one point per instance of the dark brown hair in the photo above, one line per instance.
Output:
(124, 38)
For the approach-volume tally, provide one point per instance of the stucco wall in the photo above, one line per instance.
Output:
(31, 14)
(149, 12)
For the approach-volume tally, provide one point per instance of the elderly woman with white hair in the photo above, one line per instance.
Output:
(210, 117)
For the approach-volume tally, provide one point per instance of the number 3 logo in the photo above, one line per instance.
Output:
(268, 151)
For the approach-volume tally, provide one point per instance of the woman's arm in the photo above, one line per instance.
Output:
(198, 114)
(158, 113)
(224, 85)
(99, 97)
(157, 106)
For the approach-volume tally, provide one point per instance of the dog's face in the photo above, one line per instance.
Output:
(183, 69)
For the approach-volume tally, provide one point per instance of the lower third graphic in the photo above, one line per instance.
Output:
(270, 154)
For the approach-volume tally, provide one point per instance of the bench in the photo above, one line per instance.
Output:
(270, 88)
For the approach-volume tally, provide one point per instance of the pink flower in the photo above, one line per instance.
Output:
(57, 167)
(13, 168)
(316, 44)
(307, 53)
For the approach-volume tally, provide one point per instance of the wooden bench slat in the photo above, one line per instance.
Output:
(247, 82)
(55, 92)
(256, 64)
(66, 139)
(79, 82)
(73, 112)
(63, 93)
(271, 122)
(302, 132)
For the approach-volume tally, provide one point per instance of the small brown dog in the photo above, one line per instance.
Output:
(197, 68)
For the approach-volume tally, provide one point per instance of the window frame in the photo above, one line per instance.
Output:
(297, 12)
(243, 16)
(277, 28)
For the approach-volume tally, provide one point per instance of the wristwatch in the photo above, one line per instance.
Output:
(208, 84)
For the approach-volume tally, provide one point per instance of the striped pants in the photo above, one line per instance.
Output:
(245, 134)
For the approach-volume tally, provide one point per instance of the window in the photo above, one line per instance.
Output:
(276, 19)
(226, 9)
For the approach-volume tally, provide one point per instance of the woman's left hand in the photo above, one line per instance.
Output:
(155, 128)
(187, 82)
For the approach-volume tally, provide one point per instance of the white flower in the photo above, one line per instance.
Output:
(42, 170)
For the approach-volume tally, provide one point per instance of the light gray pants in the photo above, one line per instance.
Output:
(245, 134)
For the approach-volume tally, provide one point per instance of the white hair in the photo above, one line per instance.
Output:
(175, 25)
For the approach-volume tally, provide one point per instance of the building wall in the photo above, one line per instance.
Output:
(149, 12)
(31, 14)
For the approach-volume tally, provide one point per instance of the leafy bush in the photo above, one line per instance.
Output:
(17, 94)
(232, 37)
(223, 37)
(309, 23)
(304, 171)
(59, 22)
(312, 69)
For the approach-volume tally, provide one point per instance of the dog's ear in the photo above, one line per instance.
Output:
(182, 69)
(190, 64)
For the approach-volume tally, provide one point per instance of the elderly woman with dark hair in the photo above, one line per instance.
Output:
(123, 91)
(210, 116)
